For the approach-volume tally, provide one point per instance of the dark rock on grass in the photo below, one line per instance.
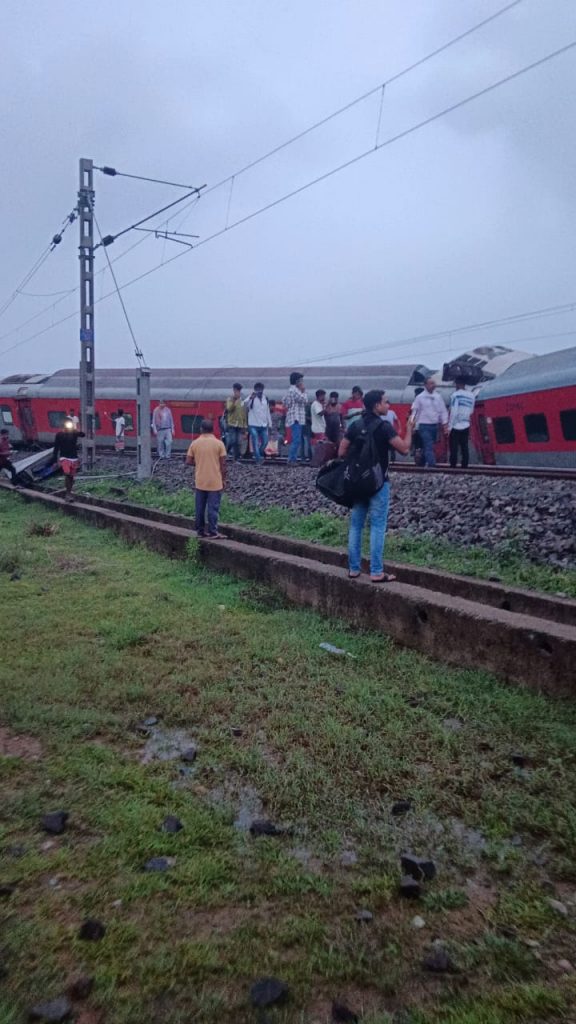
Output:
(401, 807)
(51, 1010)
(364, 915)
(410, 889)
(81, 987)
(150, 721)
(268, 992)
(265, 828)
(157, 864)
(342, 1014)
(92, 930)
(420, 868)
(438, 962)
(7, 890)
(55, 822)
(171, 824)
(16, 576)
(237, 731)
(519, 760)
(189, 755)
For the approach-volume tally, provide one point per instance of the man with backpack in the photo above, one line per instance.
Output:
(366, 449)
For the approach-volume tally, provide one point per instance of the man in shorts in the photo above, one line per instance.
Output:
(66, 454)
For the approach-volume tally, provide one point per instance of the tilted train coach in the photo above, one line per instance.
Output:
(525, 409)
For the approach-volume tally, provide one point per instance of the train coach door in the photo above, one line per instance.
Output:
(481, 436)
(27, 420)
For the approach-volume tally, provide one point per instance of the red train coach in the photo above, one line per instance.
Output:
(527, 416)
(33, 407)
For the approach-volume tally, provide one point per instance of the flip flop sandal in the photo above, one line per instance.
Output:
(353, 575)
(385, 578)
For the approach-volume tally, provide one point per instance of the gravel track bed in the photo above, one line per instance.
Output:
(537, 518)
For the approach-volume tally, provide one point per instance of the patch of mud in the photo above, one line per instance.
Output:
(26, 747)
(165, 744)
(72, 564)
(241, 800)
(307, 859)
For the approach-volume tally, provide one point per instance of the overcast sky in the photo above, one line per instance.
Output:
(469, 219)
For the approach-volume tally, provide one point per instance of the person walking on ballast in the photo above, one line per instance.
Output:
(163, 428)
(429, 412)
(385, 438)
(461, 409)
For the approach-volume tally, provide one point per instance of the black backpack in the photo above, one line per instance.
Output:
(363, 475)
(356, 478)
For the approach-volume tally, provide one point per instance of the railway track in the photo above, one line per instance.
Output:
(521, 636)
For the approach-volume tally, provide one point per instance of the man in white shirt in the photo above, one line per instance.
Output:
(318, 423)
(163, 428)
(259, 421)
(461, 409)
(429, 411)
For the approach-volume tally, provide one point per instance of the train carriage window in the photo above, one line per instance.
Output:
(7, 418)
(568, 423)
(191, 424)
(504, 430)
(56, 419)
(483, 426)
(536, 428)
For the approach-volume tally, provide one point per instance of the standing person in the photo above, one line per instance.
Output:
(208, 455)
(295, 403)
(461, 409)
(318, 417)
(353, 407)
(259, 421)
(385, 438)
(66, 454)
(163, 428)
(74, 419)
(236, 421)
(429, 411)
(394, 422)
(277, 428)
(5, 451)
(119, 431)
(333, 418)
(306, 438)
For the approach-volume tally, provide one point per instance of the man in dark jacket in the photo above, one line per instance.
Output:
(66, 454)
(385, 438)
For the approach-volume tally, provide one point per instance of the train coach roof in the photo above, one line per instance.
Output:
(213, 383)
(540, 373)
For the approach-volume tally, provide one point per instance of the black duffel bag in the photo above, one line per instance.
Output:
(331, 481)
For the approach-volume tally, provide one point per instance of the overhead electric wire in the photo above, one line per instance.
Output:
(424, 338)
(387, 142)
(56, 239)
(137, 350)
(364, 96)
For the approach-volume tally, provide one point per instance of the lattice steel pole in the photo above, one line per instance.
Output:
(86, 256)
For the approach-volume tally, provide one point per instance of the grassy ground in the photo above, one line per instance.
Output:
(504, 562)
(96, 636)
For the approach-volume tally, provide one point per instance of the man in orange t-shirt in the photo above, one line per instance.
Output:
(208, 455)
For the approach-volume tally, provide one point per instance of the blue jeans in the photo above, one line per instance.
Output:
(429, 434)
(233, 439)
(377, 506)
(207, 500)
(296, 429)
(259, 438)
(164, 442)
(306, 442)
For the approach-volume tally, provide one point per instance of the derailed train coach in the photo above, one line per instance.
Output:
(527, 416)
(525, 411)
(34, 407)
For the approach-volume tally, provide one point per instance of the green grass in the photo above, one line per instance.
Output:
(503, 561)
(96, 636)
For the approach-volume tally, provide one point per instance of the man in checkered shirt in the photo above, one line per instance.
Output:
(295, 403)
